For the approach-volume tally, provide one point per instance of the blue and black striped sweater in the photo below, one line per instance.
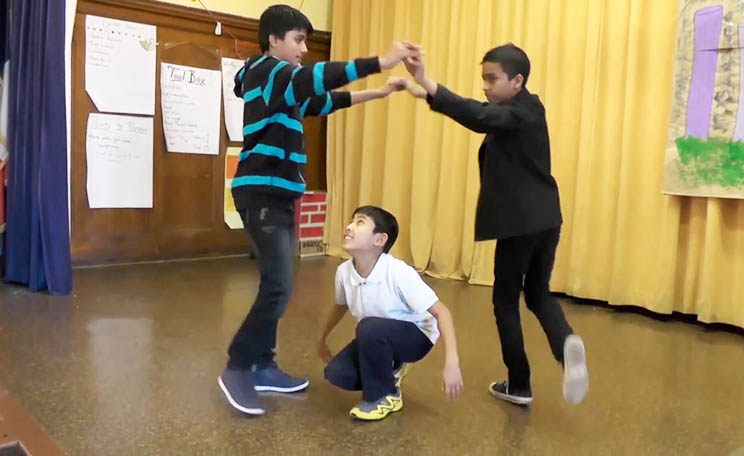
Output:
(277, 96)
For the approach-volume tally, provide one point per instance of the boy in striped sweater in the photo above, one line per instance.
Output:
(278, 92)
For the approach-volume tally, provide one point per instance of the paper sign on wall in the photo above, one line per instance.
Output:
(119, 160)
(120, 65)
(190, 101)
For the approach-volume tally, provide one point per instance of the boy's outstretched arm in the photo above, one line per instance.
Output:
(333, 101)
(323, 351)
(289, 86)
(393, 84)
(416, 90)
(481, 117)
(339, 310)
(451, 375)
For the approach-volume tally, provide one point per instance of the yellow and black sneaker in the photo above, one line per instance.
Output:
(379, 409)
(401, 372)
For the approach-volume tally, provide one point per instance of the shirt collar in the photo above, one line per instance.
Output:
(376, 276)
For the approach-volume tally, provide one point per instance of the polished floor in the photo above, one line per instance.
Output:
(128, 365)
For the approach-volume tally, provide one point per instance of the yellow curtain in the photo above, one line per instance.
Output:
(603, 69)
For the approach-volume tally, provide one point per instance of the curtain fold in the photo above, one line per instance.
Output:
(37, 237)
(604, 70)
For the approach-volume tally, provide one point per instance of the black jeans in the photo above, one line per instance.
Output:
(367, 362)
(272, 233)
(526, 262)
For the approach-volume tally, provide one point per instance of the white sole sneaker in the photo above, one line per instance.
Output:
(519, 400)
(277, 389)
(575, 373)
(249, 411)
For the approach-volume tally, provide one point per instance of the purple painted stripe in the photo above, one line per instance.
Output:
(739, 131)
(708, 22)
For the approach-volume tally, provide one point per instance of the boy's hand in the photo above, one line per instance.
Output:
(416, 68)
(324, 352)
(394, 84)
(452, 380)
(414, 89)
(400, 51)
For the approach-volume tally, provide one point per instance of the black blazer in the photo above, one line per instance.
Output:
(518, 195)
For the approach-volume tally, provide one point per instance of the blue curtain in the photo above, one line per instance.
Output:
(37, 238)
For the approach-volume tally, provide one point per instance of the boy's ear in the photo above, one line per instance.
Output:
(273, 40)
(517, 81)
(381, 239)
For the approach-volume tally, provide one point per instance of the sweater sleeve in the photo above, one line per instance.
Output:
(321, 105)
(289, 86)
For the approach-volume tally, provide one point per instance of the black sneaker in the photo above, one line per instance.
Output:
(239, 388)
(501, 390)
(271, 378)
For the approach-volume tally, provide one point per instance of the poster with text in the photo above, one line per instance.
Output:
(118, 151)
(120, 65)
(190, 102)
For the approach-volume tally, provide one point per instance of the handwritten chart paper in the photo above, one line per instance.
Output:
(190, 99)
(120, 65)
(119, 157)
(233, 104)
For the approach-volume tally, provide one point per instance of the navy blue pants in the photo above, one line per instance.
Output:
(368, 362)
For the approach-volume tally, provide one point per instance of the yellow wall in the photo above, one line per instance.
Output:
(320, 12)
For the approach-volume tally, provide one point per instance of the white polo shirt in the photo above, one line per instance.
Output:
(393, 290)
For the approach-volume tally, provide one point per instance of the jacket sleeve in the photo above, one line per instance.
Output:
(481, 117)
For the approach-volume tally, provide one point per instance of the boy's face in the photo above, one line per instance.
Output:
(496, 83)
(291, 48)
(360, 236)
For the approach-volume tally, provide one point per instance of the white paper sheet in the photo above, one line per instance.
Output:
(119, 157)
(233, 104)
(120, 65)
(190, 101)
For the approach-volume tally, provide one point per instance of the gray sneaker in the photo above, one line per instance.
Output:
(575, 373)
(379, 409)
(239, 388)
(271, 378)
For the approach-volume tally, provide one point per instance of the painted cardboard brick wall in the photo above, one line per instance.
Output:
(310, 223)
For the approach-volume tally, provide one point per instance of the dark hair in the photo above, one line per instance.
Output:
(277, 20)
(512, 59)
(384, 223)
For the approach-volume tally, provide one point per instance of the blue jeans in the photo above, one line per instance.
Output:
(272, 233)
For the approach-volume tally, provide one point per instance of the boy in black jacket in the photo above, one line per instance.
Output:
(518, 205)
(278, 92)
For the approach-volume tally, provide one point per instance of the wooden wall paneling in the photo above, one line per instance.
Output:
(187, 216)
